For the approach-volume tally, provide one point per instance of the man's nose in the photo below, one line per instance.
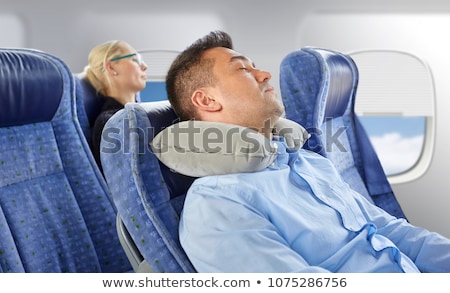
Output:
(263, 76)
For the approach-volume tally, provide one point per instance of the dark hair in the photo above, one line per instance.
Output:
(189, 71)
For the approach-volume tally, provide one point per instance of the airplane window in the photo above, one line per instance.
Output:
(14, 36)
(158, 62)
(395, 101)
(398, 141)
(154, 91)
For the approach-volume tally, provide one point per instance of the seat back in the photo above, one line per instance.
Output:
(89, 103)
(56, 214)
(149, 196)
(318, 87)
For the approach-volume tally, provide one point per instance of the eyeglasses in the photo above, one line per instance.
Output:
(138, 58)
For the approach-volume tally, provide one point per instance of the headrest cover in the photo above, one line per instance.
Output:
(317, 84)
(92, 101)
(342, 82)
(31, 86)
(202, 148)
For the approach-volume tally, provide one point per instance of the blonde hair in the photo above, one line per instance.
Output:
(99, 55)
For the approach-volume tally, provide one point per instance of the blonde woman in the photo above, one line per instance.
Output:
(118, 73)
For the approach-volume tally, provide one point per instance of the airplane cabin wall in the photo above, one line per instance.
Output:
(266, 32)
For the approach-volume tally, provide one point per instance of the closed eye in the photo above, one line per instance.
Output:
(242, 63)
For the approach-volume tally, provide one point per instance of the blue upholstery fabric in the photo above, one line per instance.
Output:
(56, 214)
(89, 103)
(9, 256)
(318, 88)
(148, 195)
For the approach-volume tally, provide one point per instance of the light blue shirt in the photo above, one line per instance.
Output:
(298, 215)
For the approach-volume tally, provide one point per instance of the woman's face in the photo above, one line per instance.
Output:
(129, 70)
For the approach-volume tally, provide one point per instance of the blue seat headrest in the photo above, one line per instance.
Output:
(25, 79)
(92, 102)
(323, 73)
(341, 83)
(160, 116)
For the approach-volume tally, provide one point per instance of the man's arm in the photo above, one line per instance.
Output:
(428, 250)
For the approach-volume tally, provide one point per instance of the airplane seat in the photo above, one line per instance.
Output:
(148, 195)
(8, 250)
(89, 103)
(56, 213)
(318, 87)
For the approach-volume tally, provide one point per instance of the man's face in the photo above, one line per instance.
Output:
(243, 90)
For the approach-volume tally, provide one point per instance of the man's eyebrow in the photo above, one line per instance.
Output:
(242, 58)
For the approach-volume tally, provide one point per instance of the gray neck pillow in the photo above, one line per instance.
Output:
(202, 148)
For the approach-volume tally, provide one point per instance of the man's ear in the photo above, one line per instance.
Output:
(204, 100)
